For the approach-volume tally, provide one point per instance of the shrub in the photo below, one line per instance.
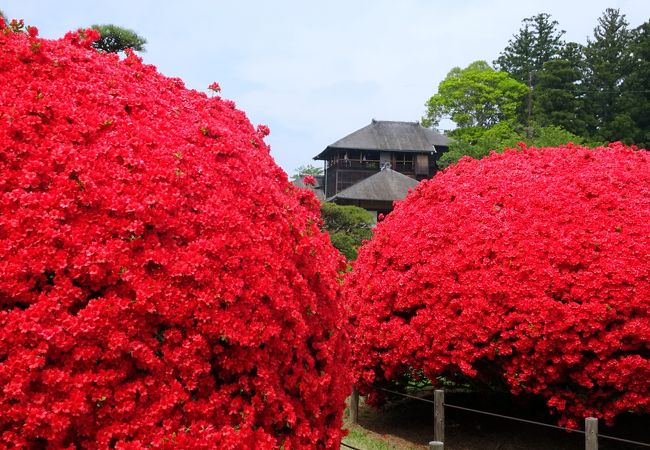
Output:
(348, 226)
(161, 282)
(528, 269)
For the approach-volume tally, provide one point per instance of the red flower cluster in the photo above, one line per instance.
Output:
(263, 130)
(162, 284)
(309, 180)
(529, 269)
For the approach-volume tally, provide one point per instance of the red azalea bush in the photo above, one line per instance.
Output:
(162, 284)
(529, 269)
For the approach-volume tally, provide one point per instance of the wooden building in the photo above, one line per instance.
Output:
(405, 147)
(377, 192)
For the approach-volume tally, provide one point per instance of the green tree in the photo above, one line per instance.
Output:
(553, 136)
(609, 60)
(306, 170)
(502, 136)
(479, 142)
(636, 87)
(559, 94)
(538, 42)
(114, 39)
(348, 227)
(477, 96)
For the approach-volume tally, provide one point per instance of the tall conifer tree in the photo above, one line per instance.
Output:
(537, 42)
(609, 61)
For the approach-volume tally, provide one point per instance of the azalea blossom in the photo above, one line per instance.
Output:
(309, 180)
(528, 269)
(157, 289)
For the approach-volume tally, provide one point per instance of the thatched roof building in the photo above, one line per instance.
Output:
(386, 185)
(390, 136)
(353, 164)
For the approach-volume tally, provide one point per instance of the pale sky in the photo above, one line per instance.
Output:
(317, 71)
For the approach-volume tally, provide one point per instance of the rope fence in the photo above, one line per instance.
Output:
(409, 396)
(590, 431)
(626, 441)
(541, 424)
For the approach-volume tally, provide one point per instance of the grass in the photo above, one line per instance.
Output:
(363, 439)
(367, 440)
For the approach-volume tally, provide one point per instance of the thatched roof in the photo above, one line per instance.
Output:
(390, 136)
(387, 185)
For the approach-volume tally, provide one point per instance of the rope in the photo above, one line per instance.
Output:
(642, 444)
(349, 446)
(516, 419)
(407, 395)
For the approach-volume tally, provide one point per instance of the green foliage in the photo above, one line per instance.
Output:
(457, 150)
(636, 87)
(306, 170)
(478, 142)
(564, 92)
(537, 42)
(348, 227)
(115, 39)
(590, 94)
(502, 136)
(609, 61)
(475, 96)
(345, 244)
(559, 94)
(553, 136)
(498, 137)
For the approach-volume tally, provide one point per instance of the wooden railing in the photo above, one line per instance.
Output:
(354, 164)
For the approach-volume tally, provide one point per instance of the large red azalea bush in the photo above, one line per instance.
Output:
(161, 282)
(529, 269)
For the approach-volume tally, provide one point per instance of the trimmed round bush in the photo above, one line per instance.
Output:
(528, 270)
(162, 284)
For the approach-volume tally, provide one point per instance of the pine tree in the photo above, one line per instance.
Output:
(538, 41)
(636, 87)
(559, 99)
(116, 39)
(609, 61)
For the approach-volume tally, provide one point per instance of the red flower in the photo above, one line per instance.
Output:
(263, 131)
(215, 87)
(309, 180)
(157, 288)
(530, 268)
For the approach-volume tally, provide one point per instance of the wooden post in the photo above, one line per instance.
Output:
(591, 433)
(354, 406)
(439, 415)
(436, 445)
